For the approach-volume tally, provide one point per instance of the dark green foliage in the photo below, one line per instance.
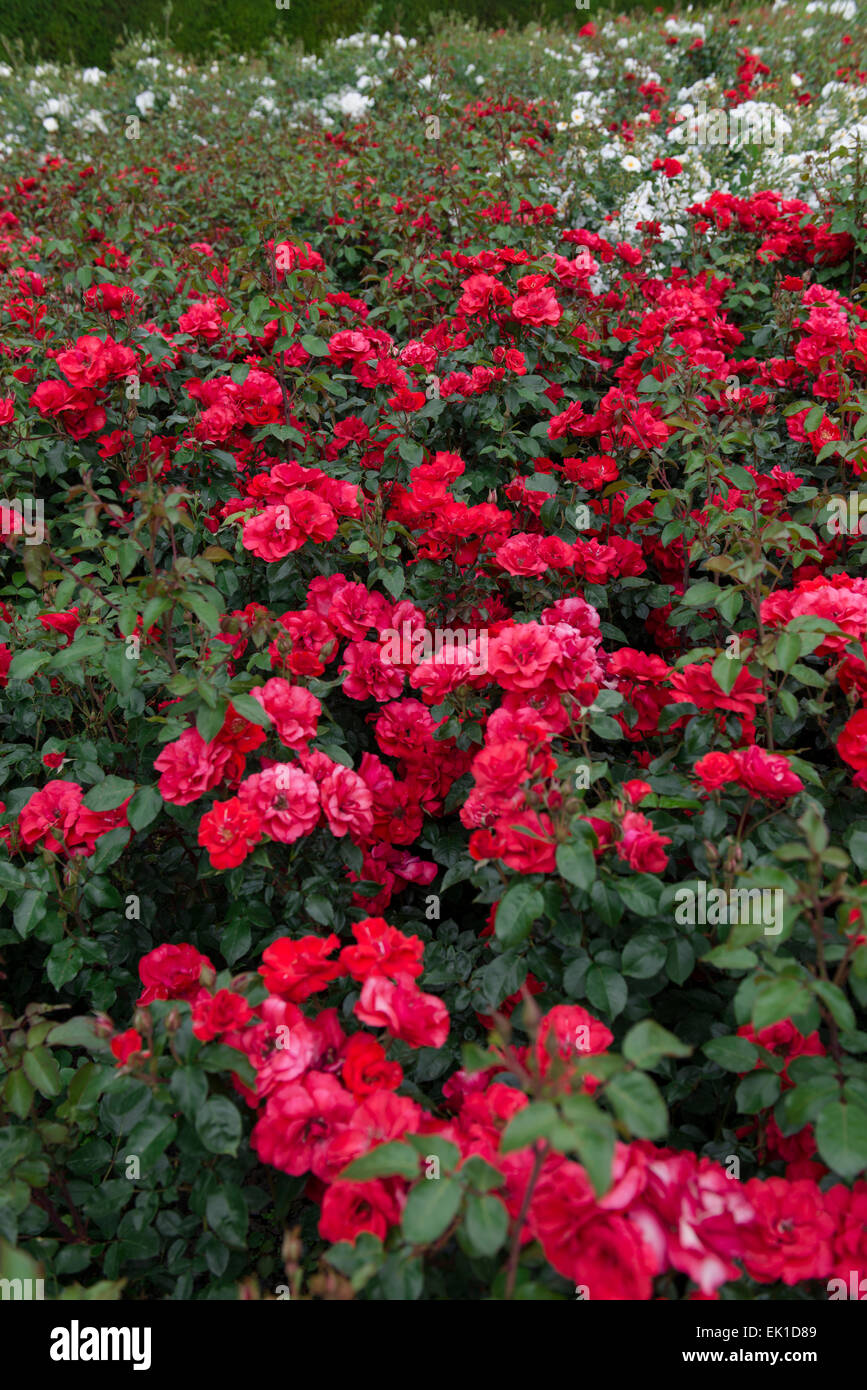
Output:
(64, 30)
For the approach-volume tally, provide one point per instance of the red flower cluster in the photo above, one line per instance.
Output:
(57, 819)
(326, 1098)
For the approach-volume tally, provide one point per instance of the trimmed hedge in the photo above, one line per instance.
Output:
(64, 30)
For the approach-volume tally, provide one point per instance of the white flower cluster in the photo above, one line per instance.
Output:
(605, 144)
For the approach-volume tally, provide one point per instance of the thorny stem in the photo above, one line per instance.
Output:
(541, 1153)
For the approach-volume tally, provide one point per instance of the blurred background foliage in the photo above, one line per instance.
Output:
(67, 31)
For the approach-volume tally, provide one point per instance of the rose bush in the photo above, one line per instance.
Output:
(432, 649)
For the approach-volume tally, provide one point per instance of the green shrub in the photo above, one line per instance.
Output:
(63, 30)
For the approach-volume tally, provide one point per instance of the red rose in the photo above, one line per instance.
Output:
(382, 950)
(127, 1045)
(228, 832)
(348, 1208)
(537, 307)
(299, 1122)
(174, 972)
(641, 846)
(852, 741)
(399, 1005)
(598, 1250)
(790, 1239)
(637, 790)
(766, 774)
(366, 1068)
(570, 1032)
(296, 969)
(225, 1011)
(716, 770)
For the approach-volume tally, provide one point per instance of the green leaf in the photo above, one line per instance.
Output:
(235, 940)
(788, 650)
(643, 957)
(144, 808)
(29, 911)
(431, 1207)
(150, 1138)
(410, 452)
(679, 960)
(475, 1058)
(606, 902)
(209, 721)
(79, 651)
(43, 1072)
(139, 1239)
(17, 1264)
(805, 1102)
(86, 1085)
(63, 962)
(395, 582)
(576, 864)
(480, 1174)
(227, 1215)
(836, 1003)
(606, 990)
(435, 1146)
(518, 908)
(841, 1137)
(215, 1057)
(124, 1105)
(639, 893)
(393, 1159)
(218, 1125)
(648, 1042)
(704, 594)
(857, 847)
(486, 1224)
(399, 1280)
(207, 613)
(11, 876)
(18, 1093)
(783, 998)
(24, 664)
(317, 347)
(595, 1138)
(732, 1053)
(758, 1091)
(77, 1032)
(729, 604)
(731, 958)
(320, 908)
(121, 669)
(250, 708)
(638, 1104)
(725, 671)
(259, 305)
(189, 1089)
(604, 727)
(536, 1121)
(108, 794)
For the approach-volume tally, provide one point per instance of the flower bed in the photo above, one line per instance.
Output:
(432, 647)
